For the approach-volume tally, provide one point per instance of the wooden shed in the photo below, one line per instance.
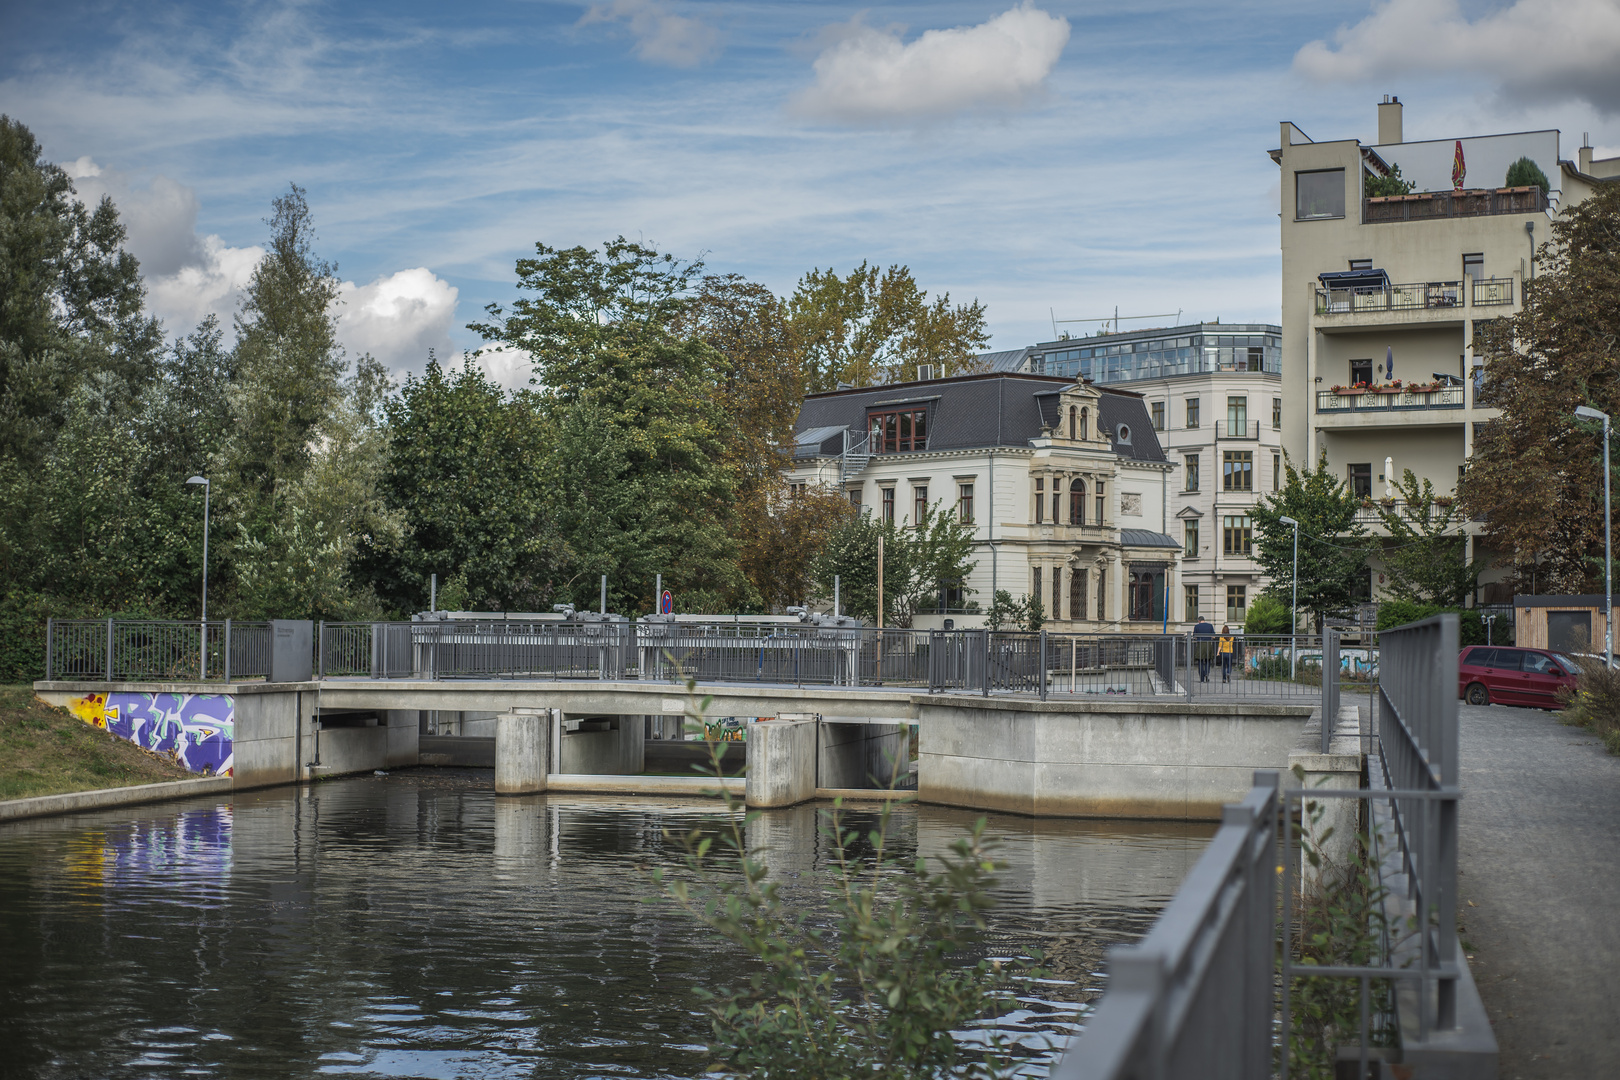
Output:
(1566, 623)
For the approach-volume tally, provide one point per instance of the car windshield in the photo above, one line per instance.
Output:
(1571, 665)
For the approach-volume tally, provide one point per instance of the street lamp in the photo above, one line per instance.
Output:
(203, 641)
(1293, 626)
(1586, 412)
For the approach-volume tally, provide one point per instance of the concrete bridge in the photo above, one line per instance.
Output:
(1126, 757)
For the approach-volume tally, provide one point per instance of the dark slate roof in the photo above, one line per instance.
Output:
(1010, 360)
(1146, 538)
(975, 411)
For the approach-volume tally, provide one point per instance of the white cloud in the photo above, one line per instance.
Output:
(870, 75)
(398, 318)
(1536, 50)
(662, 36)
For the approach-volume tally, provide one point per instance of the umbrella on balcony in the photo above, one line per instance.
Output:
(1389, 362)
(1459, 168)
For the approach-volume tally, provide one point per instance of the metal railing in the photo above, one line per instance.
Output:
(1247, 430)
(139, 650)
(1198, 998)
(1407, 296)
(1449, 397)
(1490, 291)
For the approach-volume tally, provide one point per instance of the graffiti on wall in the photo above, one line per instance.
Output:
(196, 731)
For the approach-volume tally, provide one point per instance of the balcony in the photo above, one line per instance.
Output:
(1416, 296)
(1368, 513)
(1386, 400)
(1435, 205)
(1491, 291)
(1227, 430)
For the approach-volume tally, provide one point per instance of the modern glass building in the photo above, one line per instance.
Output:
(1161, 353)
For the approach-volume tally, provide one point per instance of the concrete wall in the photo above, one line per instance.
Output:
(617, 751)
(781, 762)
(1113, 759)
(861, 755)
(352, 750)
(404, 734)
(269, 730)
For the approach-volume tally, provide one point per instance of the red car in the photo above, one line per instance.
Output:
(1498, 675)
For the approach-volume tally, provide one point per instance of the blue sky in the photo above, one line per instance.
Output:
(1065, 157)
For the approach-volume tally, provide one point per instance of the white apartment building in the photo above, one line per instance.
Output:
(1065, 484)
(1213, 392)
(1381, 296)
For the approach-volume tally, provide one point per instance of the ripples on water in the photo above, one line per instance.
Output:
(414, 925)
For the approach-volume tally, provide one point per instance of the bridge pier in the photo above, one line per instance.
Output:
(522, 742)
(781, 762)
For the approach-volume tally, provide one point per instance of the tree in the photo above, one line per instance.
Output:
(1269, 615)
(1536, 476)
(918, 563)
(1332, 545)
(877, 326)
(643, 468)
(465, 470)
(1389, 184)
(781, 537)
(1524, 173)
(1426, 558)
(72, 305)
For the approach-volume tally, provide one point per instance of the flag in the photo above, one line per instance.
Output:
(1459, 168)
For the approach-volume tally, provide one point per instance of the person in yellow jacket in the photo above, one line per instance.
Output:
(1223, 647)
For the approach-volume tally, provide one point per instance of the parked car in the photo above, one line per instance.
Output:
(1495, 674)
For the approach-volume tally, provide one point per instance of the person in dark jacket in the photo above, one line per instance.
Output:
(1203, 647)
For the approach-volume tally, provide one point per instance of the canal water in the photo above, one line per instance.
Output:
(414, 925)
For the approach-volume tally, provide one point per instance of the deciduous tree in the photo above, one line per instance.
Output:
(1427, 555)
(1333, 546)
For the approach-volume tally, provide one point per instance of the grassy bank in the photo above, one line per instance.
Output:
(46, 751)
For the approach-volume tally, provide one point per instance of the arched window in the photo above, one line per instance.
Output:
(1074, 419)
(1077, 502)
(1085, 416)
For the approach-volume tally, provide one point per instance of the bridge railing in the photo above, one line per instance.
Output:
(161, 650)
(1197, 997)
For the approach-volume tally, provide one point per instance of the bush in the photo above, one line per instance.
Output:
(1470, 626)
(1268, 615)
(1523, 173)
(1595, 705)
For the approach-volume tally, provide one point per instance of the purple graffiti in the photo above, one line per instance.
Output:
(196, 730)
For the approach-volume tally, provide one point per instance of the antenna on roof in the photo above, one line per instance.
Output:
(1116, 318)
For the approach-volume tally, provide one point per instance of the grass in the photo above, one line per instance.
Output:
(49, 751)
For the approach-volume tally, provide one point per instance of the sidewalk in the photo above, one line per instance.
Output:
(1540, 862)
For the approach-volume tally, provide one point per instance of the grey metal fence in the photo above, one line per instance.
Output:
(136, 650)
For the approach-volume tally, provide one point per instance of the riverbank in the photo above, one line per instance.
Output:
(49, 751)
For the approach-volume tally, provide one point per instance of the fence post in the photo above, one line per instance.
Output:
(49, 674)
(1043, 664)
(109, 650)
(227, 651)
(986, 673)
(320, 649)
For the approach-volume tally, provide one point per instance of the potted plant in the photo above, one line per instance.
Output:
(1442, 500)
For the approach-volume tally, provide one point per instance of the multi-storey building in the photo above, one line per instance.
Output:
(1213, 392)
(1381, 295)
(1064, 483)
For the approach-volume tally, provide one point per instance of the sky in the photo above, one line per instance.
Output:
(1055, 160)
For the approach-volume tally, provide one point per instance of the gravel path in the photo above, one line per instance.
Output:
(1539, 837)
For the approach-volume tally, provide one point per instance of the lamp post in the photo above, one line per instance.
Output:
(1587, 413)
(203, 640)
(1293, 623)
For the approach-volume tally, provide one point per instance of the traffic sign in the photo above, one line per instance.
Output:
(666, 603)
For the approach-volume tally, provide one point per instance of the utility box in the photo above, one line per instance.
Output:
(291, 650)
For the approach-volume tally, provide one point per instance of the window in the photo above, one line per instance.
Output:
(1276, 414)
(1237, 417)
(1074, 421)
(1057, 592)
(1237, 534)
(1192, 412)
(1057, 500)
(1190, 611)
(1147, 594)
(1319, 195)
(1237, 470)
(797, 490)
(1237, 604)
(888, 504)
(1035, 592)
(964, 503)
(919, 504)
(1077, 502)
(1040, 503)
(1361, 372)
(855, 498)
(1474, 266)
(893, 432)
(1102, 595)
(1276, 472)
(1361, 480)
(1361, 264)
(1192, 471)
(1158, 416)
(1100, 504)
(1085, 423)
(1077, 594)
(1189, 531)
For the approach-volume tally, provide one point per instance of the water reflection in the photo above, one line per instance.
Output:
(415, 925)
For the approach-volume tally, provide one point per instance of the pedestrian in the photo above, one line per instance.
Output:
(1224, 647)
(1203, 647)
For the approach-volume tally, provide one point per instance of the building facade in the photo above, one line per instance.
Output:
(1381, 296)
(1213, 393)
(1064, 483)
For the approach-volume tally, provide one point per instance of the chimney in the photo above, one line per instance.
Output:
(1389, 121)
(1584, 160)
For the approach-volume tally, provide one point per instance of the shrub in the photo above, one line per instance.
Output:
(1470, 625)
(1388, 185)
(1268, 615)
(1523, 173)
(1595, 705)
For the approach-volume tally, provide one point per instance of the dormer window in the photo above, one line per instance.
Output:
(898, 431)
(1077, 502)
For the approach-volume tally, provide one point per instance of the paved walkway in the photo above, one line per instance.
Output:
(1540, 880)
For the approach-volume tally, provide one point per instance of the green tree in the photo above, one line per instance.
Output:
(72, 304)
(918, 563)
(1524, 173)
(465, 470)
(1269, 615)
(1536, 475)
(1389, 184)
(1427, 555)
(876, 326)
(1333, 546)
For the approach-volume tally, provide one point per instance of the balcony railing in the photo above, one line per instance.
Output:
(1490, 291)
(1368, 513)
(1248, 430)
(1433, 205)
(1450, 397)
(1414, 296)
